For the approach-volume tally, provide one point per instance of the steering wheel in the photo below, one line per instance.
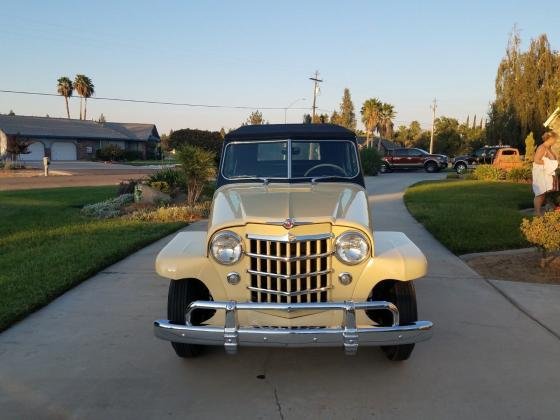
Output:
(323, 165)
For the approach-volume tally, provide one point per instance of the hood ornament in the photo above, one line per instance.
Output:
(289, 223)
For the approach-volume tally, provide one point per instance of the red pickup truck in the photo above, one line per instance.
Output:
(413, 159)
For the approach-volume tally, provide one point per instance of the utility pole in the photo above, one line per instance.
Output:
(433, 108)
(316, 81)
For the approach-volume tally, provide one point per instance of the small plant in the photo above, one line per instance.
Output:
(127, 187)
(172, 213)
(110, 153)
(161, 186)
(198, 167)
(544, 232)
(523, 174)
(173, 177)
(371, 160)
(489, 173)
(108, 208)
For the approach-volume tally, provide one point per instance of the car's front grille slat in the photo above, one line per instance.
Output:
(296, 271)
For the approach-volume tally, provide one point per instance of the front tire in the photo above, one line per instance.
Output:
(384, 168)
(461, 168)
(431, 167)
(403, 296)
(181, 294)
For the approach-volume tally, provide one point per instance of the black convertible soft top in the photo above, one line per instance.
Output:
(290, 131)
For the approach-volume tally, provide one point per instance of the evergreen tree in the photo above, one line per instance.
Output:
(335, 118)
(473, 122)
(467, 122)
(256, 118)
(530, 148)
(347, 115)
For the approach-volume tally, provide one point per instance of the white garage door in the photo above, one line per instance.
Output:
(36, 152)
(63, 151)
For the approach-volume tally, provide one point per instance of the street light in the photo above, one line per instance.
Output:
(289, 106)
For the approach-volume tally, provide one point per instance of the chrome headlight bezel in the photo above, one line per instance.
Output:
(237, 249)
(347, 236)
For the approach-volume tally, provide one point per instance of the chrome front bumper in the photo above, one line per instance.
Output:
(348, 335)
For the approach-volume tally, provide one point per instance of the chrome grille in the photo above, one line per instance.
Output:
(290, 269)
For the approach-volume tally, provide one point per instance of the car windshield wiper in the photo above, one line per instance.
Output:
(320, 178)
(265, 181)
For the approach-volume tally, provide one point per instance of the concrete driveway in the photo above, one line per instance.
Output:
(91, 353)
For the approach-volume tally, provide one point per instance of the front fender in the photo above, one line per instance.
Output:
(396, 258)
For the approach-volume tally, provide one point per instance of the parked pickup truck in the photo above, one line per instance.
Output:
(290, 258)
(413, 159)
(482, 155)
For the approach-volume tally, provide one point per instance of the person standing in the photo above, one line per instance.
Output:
(544, 170)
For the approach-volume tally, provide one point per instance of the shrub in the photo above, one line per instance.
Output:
(198, 166)
(489, 173)
(173, 177)
(371, 160)
(132, 155)
(523, 174)
(127, 187)
(544, 232)
(161, 186)
(211, 141)
(110, 152)
(108, 208)
(172, 213)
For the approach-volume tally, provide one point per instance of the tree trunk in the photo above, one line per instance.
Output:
(67, 109)
(85, 108)
(81, 99)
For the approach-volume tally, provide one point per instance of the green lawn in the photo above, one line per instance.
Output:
(46, 246)
(471, 216)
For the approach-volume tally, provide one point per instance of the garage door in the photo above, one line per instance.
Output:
(36, 152)
(63, 151)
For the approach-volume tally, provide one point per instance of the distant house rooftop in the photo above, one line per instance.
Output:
(45, 127)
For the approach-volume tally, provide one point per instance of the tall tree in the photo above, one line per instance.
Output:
(347, 116)
(307, 119)
(385, 124)
(85, 88)
(256, 118)
(335, 118)
(65, 89)
(370, 111)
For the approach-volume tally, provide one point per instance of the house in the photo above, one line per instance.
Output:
(67, 139)
(385, 144)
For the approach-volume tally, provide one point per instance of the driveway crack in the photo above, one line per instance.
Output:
(278, 405)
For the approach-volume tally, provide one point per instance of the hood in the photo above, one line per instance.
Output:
(238, 204)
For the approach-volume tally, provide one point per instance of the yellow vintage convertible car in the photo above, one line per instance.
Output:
(290, 258)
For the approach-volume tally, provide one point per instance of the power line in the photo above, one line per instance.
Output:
(144, 101)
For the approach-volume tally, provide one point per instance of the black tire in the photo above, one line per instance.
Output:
(461, 168)
(384, 168)
(431, 167)
(181, 294)
(403, 295)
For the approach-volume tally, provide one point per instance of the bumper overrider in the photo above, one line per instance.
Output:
(347, 335)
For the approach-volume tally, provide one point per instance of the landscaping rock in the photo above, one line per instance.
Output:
(148, 195)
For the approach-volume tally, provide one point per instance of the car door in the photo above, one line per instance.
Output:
(415, 159)
(400, 158)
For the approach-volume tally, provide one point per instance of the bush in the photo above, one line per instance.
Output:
(127, 187)
(110, 152)
(108, 208)
(544, 232)
(161, 186)
(211, 141)
(172, 177)
(523, 174)
(129, 155)
(371, 160)
(489, 173)
(198, 167)
(172, 213)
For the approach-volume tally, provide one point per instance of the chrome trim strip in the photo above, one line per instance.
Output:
(290, 238)
(348, 335)
(282, 222)
(289, 294)
(289, 259)
(289, 277)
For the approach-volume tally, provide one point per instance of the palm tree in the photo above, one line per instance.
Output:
(85, 88)
(65, 89)
(385, 124)
(370, 116)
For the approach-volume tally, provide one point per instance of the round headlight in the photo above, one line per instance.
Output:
(226, 248)
(352, 248)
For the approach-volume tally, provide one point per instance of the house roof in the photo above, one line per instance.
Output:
(76, 129)
(291, 131)
(387, 144)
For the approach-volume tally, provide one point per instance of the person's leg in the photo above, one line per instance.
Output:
(538, 202)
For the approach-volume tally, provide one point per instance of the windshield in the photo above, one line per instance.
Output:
(290, 159)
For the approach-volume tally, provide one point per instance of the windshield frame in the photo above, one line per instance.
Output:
(289, 178)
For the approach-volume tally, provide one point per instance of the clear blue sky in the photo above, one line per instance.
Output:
(261, 54)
